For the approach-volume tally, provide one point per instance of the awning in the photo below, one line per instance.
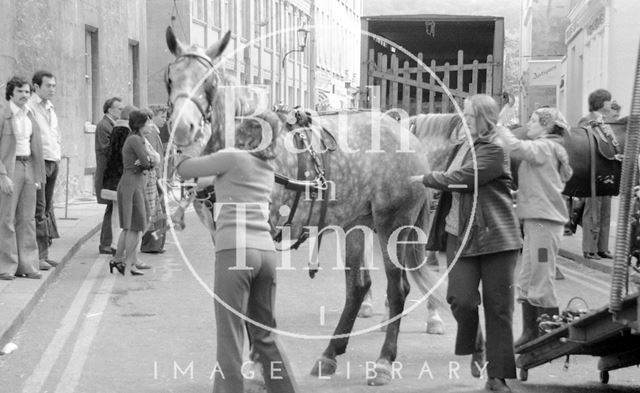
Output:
(329, 101)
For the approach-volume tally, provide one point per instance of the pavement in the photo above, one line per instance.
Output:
(76, 224)
(571, 246)
(81, 220)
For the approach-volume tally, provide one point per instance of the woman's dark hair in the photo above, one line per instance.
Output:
(16, 81)
(598, 98)
(252, 131)
(138, 118)
(114, 168)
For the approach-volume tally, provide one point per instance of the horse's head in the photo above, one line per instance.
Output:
(192, 84)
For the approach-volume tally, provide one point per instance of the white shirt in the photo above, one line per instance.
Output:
(48, 123)
(22, 128)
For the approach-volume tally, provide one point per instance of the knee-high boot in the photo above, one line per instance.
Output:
(529, 324)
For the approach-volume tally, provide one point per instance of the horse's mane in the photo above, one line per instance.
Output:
(437, 132)
(247, 102)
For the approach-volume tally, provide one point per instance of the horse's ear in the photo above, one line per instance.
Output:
(216, 49)
(174, 45)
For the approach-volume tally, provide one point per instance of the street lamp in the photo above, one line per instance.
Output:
(303, 33)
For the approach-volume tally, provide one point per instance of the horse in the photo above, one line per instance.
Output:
(368, 172)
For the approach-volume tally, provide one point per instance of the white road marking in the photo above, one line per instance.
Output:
(50, 356)
(322, 319)
(72, 373)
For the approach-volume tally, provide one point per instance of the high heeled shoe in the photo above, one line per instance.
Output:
(118, 265)
(135, 272)
(141, 266)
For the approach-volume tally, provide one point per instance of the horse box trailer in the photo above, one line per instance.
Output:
(465, 52)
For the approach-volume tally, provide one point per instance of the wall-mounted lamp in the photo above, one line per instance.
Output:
(303, 34)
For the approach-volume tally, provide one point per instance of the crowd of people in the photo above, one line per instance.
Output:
(129, 162)
(130, 145)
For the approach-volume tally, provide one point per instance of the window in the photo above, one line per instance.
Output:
(216, 13)
(278, 26)
(198, 10)
(267, 17)
(93, 109)
(231, 7)
(245, 18)
(134, 75)
(290, 33)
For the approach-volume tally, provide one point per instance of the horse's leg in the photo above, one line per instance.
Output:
(435, 325)
(366, 310)
(358, 282)
(397, 291)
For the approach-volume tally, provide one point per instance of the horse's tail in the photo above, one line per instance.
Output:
(424, 276)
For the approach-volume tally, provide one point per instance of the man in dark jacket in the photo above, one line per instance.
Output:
(111, 108)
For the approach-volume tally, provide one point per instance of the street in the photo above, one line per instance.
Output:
(88, 335)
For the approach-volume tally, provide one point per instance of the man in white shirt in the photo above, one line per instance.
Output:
(44, 84)
(21, 174)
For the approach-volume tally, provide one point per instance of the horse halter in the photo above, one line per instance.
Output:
(208, 64)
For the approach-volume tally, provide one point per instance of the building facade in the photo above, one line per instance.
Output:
(337, 66)
(263, 32)
(602, 50)
(96, 49)
(543, 49)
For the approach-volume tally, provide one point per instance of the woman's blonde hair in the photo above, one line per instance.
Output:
(486, 114)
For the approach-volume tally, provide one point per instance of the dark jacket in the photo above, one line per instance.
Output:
(102, 140)
(495, 226)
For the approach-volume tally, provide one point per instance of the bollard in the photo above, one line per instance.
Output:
(66, 193)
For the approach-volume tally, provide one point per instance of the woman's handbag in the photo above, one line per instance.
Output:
(110, 195)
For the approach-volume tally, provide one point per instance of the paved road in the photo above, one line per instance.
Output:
(87, 335)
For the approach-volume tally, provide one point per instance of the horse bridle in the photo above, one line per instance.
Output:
(208, 64)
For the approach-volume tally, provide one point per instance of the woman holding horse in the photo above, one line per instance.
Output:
(542, 176)
(245, 266)
(490, 250)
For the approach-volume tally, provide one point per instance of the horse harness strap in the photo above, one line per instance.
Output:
(312, 189)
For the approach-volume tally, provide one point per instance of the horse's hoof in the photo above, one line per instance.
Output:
(366, 311)
(324, 366)
(435, 327)
(252, 386)
(382, 374)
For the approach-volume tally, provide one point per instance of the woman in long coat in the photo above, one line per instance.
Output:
(488, 242)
